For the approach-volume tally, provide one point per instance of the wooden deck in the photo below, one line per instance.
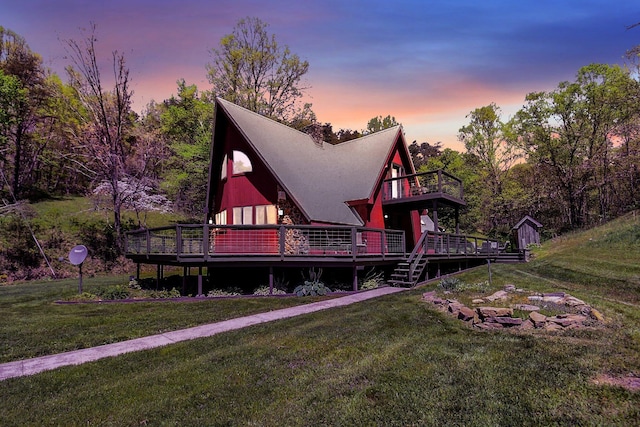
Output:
(412, 191)
(186, 244)
(207, 244)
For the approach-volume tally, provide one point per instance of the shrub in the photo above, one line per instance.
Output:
(173, 293)
(450, 284)
(372, 280)
(312, 286)
(264, 290)
(114, 292)
(229, 292)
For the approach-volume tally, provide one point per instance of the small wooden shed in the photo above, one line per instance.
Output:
(526, 232)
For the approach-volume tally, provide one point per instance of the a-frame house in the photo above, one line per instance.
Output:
(277, 198)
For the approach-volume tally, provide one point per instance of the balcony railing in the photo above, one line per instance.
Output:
(210, 241)
(445, 244)
(420, 184)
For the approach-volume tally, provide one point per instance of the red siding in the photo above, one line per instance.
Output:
(257, 187)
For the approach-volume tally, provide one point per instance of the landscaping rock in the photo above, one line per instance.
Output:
(485, 325)
(508, 321)
(596, 315)
(429, 296)
(552, 327)
(500, 295)
(527, 325)
(501, 317)
(466, 314)
(526, 307)
(509, 288)
(539, 320)
(486, 312)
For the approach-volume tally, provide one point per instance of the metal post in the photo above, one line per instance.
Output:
(80, 278)
(200, 281)
(489, 266)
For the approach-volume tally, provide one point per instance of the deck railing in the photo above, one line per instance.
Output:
(419, 184)
(188, 240)
(445, 244)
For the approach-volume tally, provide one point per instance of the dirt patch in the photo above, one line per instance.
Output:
(631, 383)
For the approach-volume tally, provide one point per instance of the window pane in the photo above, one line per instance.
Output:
(272, 214)
(237, 216)
(261, 215)
(223, 174)
(241, 163)
(247, 215)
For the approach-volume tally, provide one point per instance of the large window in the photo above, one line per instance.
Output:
(264, 214)
(241, 163)
(243, 215)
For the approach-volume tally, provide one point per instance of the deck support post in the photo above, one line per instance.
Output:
(438, 272)
(184, 280)
(355, 278)
(138, 271)
(200, 281)
(436, 227)
(270, 280)
(158, 276)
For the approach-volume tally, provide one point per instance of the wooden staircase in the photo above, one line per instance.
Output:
(407, 273)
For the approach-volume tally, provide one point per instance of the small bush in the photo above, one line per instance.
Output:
(372, 280)
(450, 284)
(264, 290)
(173, 293)
(313, 286)
(230, 292)
(114, 292)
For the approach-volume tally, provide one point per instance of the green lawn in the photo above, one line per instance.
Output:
(388, 361)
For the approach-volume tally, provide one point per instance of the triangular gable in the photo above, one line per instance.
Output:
(527, 218)
(320, 178)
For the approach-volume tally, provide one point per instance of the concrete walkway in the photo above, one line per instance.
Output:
(46, 363)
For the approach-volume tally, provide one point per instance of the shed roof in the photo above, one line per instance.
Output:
(527, 218)
(322, 178)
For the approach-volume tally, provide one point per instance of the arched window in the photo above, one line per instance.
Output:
(241, 163)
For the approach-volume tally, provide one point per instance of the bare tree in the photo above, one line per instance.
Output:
(106, 116)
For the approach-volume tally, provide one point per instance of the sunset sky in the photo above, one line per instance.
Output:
(428, 63)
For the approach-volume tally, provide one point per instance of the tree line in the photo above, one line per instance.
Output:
(569, 157)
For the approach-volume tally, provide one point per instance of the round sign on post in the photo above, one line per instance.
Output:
(76, 257)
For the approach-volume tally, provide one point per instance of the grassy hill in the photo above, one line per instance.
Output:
(389, 361)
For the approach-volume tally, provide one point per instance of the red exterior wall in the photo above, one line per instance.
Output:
(257, 187)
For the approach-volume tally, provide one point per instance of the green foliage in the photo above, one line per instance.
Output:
(100, 238)
(165, 294)
(372, 280)
(379, 123)
(227, 292)
(264, 290)
(252, 70)
(312, 286)
(450, 284)
(114, 292)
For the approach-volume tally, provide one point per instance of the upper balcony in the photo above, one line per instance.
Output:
(418, 191)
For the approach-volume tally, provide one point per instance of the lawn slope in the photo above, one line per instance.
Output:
(389, 361)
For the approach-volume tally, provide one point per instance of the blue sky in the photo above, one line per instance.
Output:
(428, 63)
